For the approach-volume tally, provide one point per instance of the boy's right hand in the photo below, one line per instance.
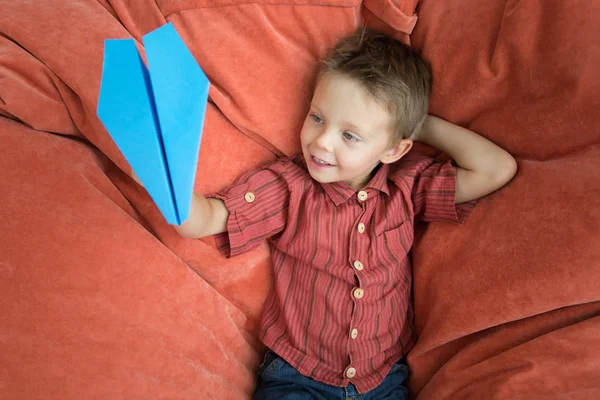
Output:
(207, 216)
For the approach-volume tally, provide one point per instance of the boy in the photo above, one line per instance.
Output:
(339, 218)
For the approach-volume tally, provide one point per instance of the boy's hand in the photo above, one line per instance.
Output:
(207, 216)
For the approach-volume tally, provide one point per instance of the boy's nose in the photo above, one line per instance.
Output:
(324, 140)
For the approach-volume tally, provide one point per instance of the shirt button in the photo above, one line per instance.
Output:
(249, 197)
(350, 372)
(362, 195)
(361, 228)
(354, 333)
(358, 265)
(358, 293)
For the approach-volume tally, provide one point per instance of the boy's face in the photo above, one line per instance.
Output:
(346, 133)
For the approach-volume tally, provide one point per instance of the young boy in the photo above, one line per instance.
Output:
(340, 217)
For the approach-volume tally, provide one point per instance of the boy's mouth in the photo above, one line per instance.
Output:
(320, 162)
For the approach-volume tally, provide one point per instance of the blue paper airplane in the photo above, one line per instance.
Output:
(155, 115)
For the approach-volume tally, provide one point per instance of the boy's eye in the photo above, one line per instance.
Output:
(350, 137)
(316, 118)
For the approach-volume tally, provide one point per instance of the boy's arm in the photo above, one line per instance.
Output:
(207, 216)
(483, 167)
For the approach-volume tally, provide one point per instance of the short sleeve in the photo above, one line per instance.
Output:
(257, 203)
(432, 185)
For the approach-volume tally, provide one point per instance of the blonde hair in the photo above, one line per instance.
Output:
(391, 72)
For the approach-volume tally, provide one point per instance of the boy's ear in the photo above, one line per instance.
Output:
(396, 152)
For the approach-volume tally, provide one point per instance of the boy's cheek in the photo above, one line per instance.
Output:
(304, 136)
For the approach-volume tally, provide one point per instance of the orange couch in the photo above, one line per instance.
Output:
(102, 299)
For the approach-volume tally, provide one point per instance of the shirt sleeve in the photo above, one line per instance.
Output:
(432, 185)
(257, 203)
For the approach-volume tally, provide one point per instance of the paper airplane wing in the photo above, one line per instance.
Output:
(125, 107)
(181, 92)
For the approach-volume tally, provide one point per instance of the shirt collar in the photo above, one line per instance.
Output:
(339, 192)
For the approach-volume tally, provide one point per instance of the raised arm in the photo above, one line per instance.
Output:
(207, 217)
(483, 167)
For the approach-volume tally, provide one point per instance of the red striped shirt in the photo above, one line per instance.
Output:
(340, 310)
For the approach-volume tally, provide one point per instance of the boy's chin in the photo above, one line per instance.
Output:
(322, 179)
(319, 177)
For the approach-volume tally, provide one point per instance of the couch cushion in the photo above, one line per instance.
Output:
(92, 304)
(523, 75)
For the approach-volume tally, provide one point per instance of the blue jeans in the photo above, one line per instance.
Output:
(279, 380)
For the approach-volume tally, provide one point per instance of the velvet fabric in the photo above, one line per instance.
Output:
(102, 299)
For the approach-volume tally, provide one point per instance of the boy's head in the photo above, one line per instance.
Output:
(371, 95)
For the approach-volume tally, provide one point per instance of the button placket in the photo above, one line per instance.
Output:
(357, 292)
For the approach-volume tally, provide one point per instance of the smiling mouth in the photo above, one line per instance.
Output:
(320, 162)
